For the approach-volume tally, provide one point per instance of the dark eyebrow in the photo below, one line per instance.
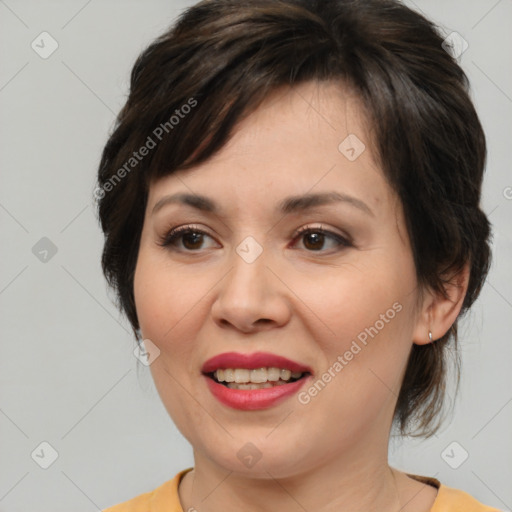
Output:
(300, 203)
(290, 204)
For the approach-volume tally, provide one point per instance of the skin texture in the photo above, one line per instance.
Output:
(302, 298)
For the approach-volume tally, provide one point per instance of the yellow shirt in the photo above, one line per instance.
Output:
(165, 498)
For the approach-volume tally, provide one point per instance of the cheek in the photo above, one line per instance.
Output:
(167, 305)
(362, 367)
(363, 318)
(164, 299)
(354, 296)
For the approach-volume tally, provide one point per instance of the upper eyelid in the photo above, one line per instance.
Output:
(195, 228)
(323, 229)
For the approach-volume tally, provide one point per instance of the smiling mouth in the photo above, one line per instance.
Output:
(259, 378)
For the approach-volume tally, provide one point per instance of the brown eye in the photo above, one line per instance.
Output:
(192, 239)
(315, 238)
(314, 241)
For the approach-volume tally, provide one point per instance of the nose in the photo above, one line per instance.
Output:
(251, 297)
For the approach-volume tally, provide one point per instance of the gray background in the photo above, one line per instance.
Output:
(67, 372)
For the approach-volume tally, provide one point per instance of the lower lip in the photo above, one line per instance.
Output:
(253, 399)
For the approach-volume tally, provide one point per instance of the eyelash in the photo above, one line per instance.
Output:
(169, 239)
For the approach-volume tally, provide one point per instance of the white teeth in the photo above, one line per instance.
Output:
(273, 374)
(255, 376)
(285, 374)
(242, 376)
(258, 375)
(234, 385)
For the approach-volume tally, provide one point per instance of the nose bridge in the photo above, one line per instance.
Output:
(246, 283)
(249, 293)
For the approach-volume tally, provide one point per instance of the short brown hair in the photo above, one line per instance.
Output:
(223, 57)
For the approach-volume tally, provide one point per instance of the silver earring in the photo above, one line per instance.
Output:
(429, 336)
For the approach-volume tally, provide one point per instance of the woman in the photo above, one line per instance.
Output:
(290, 202)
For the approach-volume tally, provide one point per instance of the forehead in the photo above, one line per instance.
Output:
(312, 115)
(295, 142)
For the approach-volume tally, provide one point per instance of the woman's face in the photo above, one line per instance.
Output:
(340, 304)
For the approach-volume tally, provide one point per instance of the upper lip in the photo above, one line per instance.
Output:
(252, 361)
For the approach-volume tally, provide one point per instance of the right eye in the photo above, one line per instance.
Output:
(191, 238)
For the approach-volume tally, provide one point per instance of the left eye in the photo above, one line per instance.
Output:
(316, 237)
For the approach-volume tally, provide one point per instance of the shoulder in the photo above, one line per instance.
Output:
(138, 504)
(450, 499)
(164, 497)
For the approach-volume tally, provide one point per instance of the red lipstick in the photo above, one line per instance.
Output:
(253, 399)
(252, 361)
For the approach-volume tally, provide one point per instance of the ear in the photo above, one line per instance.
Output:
(437, 313)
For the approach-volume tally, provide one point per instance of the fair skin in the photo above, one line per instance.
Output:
(303, 298)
